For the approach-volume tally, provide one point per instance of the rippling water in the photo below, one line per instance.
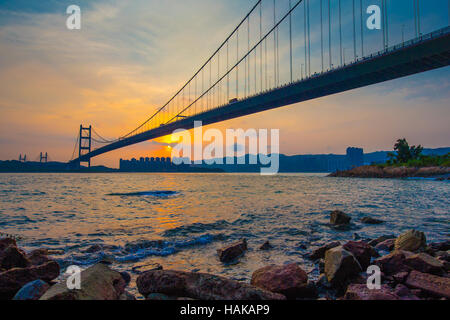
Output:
(179, 220)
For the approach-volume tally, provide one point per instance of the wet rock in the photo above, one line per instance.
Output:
(319, 253)
(370, 220)
(12, 257)
(340, 265)
(98, 282)
(425, 263)
(126, 277)
(411, 240)
(322, 281)
(143, 267)
(13, 280)
(433, 285)
(394, 262)
(378, 240)
(233, 251)
(440, 246)
(289, 280)
(32, 290)
(200, 286)
(400, 277)
(158, 297)
(127, 296)
(266, 246)
(6, 242)
(356, 236)
(386, 245)
(362, 252)
(361, 292)
(38, 256)
(339, 218)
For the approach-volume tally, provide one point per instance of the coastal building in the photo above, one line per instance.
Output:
(355, 157)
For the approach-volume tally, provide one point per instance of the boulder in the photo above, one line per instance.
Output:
(12, 257)
(143, 267)
(32, 290)
(362, 252)
(425, 263)
(266, 246)
(433, 285)
(127, 296)
(38, 256)
(13, 280)
(361, 292)
(378, 240)
(340, 265)
(98, 282)
(386, 245)
(289, 280)
(6, 242)
(339, 218)
(319, 253)
(394, 262)
(233, 251)
(404, 293)
(200, 286)
(370, 220)
(440, 246)
(411, 240)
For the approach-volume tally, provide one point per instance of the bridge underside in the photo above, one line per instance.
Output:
(430, 52)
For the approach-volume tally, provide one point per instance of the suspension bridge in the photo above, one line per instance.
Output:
(289, 51)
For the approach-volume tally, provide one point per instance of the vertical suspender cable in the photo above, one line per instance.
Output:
(260, 46)
(354, 31)
(329, 33)
(290, 40)
(321, 31)
(309, 42)
(362, 27)
(340, 31)
(304, 34)
(415, 18)
(274, 46)
(418, 18)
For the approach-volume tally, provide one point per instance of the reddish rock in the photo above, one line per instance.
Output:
(14, 279)
(12, 257)
(425, 263)
(440, 246)
(289, 280)
(378, 240)
(6, 242)
(200, 286)
(361, 292)
(404, 293)
(394, 262)
(400, 277)
(319, 253)
(433, 285)
(362, 252)
(386, 245)
(339, 218)
(233, 251)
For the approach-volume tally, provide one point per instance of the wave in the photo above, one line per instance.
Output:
(155, 193)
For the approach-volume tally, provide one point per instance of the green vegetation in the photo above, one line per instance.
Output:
(411, 156)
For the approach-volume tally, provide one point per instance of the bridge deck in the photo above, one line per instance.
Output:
(428, 52)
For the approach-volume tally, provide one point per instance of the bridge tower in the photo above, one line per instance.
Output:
(43, 158)
(22, 159)
(85, 143)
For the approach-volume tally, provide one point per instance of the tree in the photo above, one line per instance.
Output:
(404, 152)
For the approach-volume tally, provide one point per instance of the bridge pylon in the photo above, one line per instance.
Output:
(85, 143)
(22, 159)
(43, 158)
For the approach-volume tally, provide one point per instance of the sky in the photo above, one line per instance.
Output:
(130, 57)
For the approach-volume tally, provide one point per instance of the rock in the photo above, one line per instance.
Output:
(425, 263)
(378, 240)
(339, 218)
(394, 262)
(404, 293)
(38, 256)
(233, 251)
(411, 240)
(361, 292)
(319, 253)
(126, 277)
(289, 280)
(126, 296)
(362, 252)
(340, 265)
(13, 280)
(32, 290)
(6, 242)
(143, 267)
(370, 220)
(200, 286)
(440, 246)
(356, 236)
(98, 282)
(12, 257)
(266, 246)
(322, 281)
(386, 245)
(400, 277)
(434, 285)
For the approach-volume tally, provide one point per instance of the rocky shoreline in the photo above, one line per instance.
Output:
(411, 269)
(373, 171)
